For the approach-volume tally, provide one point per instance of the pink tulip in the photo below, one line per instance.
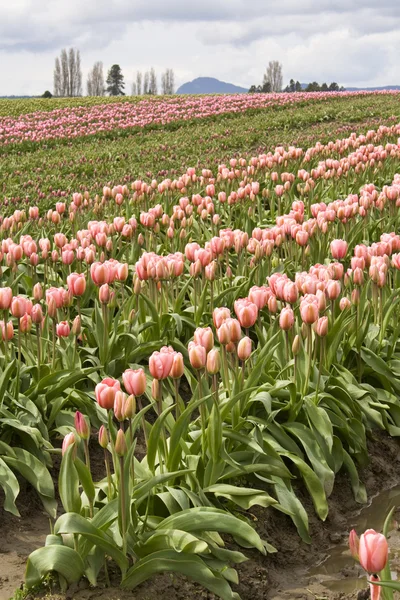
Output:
(213, 363)
(105, 392)
(18, 306)
(204, 337)
(246, 312)
(81, 426)
(177, 368)
(339, 249)
(373, 551)
(354, 544)
(244, 348)
(7, 331)
(5, 298)
(286, 319)
(160, 364)
(134, 381)
(76, 284)
(63, 329)
(321, 326)
(309, 309)
(68, 441)
(197, 355)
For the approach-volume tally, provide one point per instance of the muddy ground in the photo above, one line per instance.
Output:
(321, 571)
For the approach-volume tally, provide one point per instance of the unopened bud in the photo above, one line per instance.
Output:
(120, 443)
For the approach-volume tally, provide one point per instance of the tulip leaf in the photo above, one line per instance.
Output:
(61, 559)
(187, 564)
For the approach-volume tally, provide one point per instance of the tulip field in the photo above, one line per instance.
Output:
(199, 304)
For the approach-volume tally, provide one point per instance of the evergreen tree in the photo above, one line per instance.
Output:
(115, 81)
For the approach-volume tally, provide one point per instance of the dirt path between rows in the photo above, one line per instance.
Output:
(322, 571)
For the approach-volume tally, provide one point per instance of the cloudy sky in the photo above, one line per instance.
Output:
(353, 42)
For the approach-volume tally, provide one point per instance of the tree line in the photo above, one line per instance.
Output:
(273, 81)
(67, 79)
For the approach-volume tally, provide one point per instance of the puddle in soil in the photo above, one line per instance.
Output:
(339, 572)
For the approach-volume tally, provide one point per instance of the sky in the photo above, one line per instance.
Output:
(352, 42)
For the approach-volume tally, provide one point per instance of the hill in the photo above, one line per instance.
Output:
(210, 85)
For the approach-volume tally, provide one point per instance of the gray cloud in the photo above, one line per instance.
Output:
(352, 42)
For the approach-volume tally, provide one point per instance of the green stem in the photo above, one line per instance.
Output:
(108, 471)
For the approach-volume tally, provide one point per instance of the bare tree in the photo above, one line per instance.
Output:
(153, 82)
(134, 89)
(68, 74)
(95, 81)
(139, 78)
(168, 82)
(64, 88)
(274, 76)
(57, 78)
(146, 83)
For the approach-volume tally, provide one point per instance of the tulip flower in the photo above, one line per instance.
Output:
(286, 319)
(204, 337)
(160, 364)
(63, 329)
(134, 381)
(339, 249)
(6, 297)
(105, 392)
(197, 355)
(373, 551)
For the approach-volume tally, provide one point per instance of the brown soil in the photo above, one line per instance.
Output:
(282, 576)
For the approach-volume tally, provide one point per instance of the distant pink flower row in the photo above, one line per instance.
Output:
(80, 121)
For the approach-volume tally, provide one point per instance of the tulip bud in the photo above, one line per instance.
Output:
(321, 326)
(129, 407)
(155, 389)
(354, 544)
(120, 444)
(68, 441)
(119, 401)
(37, 292)
(213, 362)
(244, 348)
(81, 426)
(52, 307)
(37, 314)
(296, 345)
(76, 326)
(177, 366)
(104, 294)
(103, 437)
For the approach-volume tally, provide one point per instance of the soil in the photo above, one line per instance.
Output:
(296, 571)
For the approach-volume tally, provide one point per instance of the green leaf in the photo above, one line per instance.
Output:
(206, 518)
(359, 491)
(154, 442)
(243, 497)
(85, 478)
(68, 482)
(76, 524)
(288, 499)
(61, 559)
(187, 564)
(171, 539)
(10, 486)
(38, 476)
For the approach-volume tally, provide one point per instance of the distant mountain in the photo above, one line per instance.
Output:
(210, 85)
